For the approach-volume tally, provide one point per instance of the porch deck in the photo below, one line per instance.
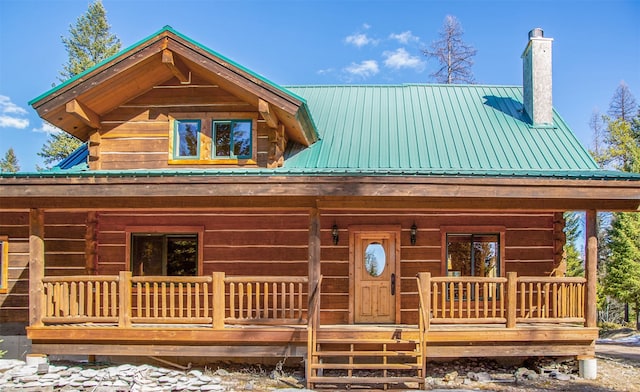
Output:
(253, 316)
(220, 315)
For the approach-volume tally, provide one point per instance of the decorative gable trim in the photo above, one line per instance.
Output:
(77, 105)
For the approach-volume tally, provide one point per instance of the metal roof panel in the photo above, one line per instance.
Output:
(428, 127)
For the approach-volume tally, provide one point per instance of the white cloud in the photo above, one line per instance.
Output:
(400, 58)
(325, 71)
(47, 128)
(360, 40)
(13, 122)
(404, 37)
(364, 69)
(12, 115)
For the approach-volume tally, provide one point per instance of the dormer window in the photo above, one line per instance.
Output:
(211, 138)
(186, 139)
(232, 139)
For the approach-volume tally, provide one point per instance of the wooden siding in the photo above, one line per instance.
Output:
(65, 255)
(271, 242)
(529, 250)
(235, 242)
(136, 135)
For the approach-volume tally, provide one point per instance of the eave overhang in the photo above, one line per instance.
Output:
(277, 191)
(77, 105)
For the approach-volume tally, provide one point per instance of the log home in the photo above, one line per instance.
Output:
(214, 213)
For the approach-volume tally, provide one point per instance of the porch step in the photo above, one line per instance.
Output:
(370, 361)
(366, 341)
(365, 381)
(365, 366)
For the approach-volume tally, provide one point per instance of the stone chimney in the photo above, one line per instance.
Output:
(536, 78)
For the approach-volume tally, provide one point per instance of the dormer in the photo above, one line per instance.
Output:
(169, 102)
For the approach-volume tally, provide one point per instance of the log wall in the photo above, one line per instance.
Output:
(237, 243)
(268, 242)
(65, 255)
(136, 135)
(529, 250)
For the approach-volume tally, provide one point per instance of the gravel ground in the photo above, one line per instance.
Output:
(618, 370)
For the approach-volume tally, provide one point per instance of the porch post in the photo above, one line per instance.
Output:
(511, 298)
(36, 266)
(591, 270)
(314, 252)
(90, 242)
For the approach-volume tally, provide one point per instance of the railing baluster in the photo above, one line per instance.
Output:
(274, 299)
(163, 290)
(434, 299)
(240, 300)
(257, 293)
(197, 300)
(283, 300)
(291, 300)
(188, 309)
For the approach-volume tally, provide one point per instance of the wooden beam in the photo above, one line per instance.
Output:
(267, 113)
(226, 351)
(83, 113)
(36, 266)
(177, 67)
(314, 250)
(591, 269)
(91, 242)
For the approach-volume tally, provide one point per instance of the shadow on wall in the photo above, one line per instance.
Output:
(13, 310)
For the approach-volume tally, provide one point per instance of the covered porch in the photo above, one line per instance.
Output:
(269, 316)
(246, 303)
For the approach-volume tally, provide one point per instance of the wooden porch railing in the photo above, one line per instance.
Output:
(216, 300)
(510, 300)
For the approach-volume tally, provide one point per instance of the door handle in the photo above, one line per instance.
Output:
(393, 284)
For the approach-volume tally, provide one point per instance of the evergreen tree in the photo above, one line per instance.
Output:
(57, 147)
(622, 280)
(575, 266)
(623, 146)
(89, 42)
(454, 56)
(9, 164)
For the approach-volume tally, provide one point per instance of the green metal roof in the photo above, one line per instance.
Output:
(335, 172)
(414, 127)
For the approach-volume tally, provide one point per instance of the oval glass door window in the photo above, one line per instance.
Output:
(375, 259)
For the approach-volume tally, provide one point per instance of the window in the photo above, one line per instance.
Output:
(473, 255)
(232, 139)
(213, 138)
(164, 251)
(186, 139)
(4, 264)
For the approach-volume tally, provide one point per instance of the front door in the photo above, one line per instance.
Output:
(375, 280)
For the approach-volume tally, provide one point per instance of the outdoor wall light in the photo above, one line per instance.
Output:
(334, 234)
(414, 231)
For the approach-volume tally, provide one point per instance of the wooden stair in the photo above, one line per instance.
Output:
(365, 361)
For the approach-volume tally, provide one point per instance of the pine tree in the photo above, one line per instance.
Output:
(572, 255)
(57, 147)
(454, 56)
(9, 164)
(622, 280)
(89, 42)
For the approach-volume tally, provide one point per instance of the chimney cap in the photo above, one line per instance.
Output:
(536, 33)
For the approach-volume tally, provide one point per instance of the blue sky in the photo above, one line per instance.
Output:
(596, 46)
